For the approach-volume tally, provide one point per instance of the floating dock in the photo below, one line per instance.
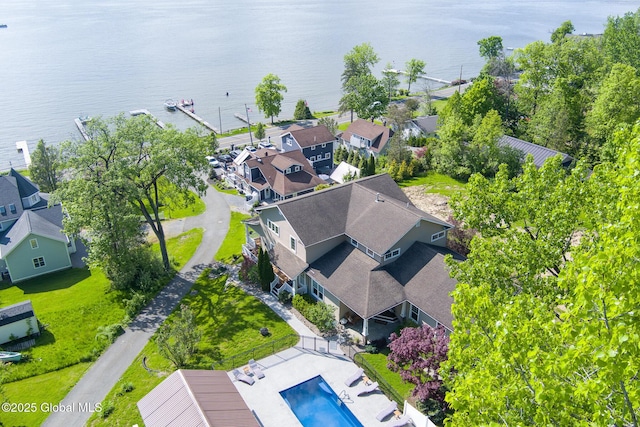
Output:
(23, 148)
(146, 112)
(242, 118)
(80, 125)
(181, 106)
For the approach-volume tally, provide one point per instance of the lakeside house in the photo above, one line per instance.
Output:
(363, 248)
(32, 242)
(368, 137)
(316, 143)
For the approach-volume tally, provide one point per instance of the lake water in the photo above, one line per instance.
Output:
(66, 58)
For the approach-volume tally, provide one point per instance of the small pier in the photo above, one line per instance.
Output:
(80, 122)
(23, 148)
(420, 76)
(243, 118)
(146, 112)
(182, 107)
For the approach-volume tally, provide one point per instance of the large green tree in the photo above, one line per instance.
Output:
(390, 80)
(490, 47)
(368, 97)
(142, 166)
(414, 68)
(545, 315)
(621, 39)
(46, 167)
(269, 95)
(357, 70)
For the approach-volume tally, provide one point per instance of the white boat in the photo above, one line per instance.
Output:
(170, 105)
(10, 356)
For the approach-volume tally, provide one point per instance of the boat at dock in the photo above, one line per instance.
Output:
(170, 105)
(10, 356)
(3, 25)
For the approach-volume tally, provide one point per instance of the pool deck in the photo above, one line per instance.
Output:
(295, 365)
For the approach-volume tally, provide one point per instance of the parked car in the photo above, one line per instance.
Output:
(250, 148)
(225, 158)
(266, 144)
(213, 162)
(234, 153)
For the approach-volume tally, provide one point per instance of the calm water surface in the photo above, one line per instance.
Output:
(65, 58)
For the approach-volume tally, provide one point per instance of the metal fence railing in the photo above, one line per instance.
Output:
(374, 375)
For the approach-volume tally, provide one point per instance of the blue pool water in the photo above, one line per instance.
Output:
(316, 405)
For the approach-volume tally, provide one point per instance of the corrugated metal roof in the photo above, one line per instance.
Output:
(539, 153)
(194, 398)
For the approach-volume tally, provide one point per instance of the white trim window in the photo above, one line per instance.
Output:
(292, 243)
(371, 253)
(33, 243)
(313, 148)
(327, 155)
(312, 158)
(392, 254)
(439, 235)
(273, 227)
(324, 145)
(354, 242)
(38, 262)
(414, 313)
(317, 290)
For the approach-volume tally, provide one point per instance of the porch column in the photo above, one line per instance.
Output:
(365, 329)
(403, 310)
(247, 238)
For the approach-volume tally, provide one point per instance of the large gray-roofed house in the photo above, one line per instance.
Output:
(539, 153)
(315, 143)
(359, 248)
(31, 239)
(196, 398)
(367, 136)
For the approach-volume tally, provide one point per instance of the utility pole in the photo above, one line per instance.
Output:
(246, 109)
(460, 79)
(220, 119)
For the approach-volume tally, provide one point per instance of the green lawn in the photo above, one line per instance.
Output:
(229, 320)
(221, 187)
(73, 303)
(232, 244)
(379, 362)
(435, 183)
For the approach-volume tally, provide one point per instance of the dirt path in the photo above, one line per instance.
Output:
(432, 203)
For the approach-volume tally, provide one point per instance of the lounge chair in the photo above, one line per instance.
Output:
(256, 369)
(368, 389)
(353, 378)
(239, 376)
(387, 411)
(402, 421)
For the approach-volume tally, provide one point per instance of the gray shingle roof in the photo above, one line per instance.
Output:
(37, 222)
(19, 310)
(9, 194)
(377, 134)
(419, 276)
(539, 153)
(25, 186)
(312, 136)
(358, 209)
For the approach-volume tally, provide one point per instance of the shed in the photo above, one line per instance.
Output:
(17, 321)
(190, 398)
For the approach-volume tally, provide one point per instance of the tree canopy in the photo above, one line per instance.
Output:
(46, 167)
(415, 67)
(359, 87)
(269, 95)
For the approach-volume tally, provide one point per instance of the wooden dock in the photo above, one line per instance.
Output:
(80, 125)
(146, 112)
(180, 106)
(23, 148)
(242, 118)
(420, 76)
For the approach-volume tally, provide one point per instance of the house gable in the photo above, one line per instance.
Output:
(362, 134)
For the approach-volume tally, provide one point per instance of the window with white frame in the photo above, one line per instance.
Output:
(296, 168)
(439, 235)
(313, 147)
(414, 313)
(312, 158)
(38, 262)
(354, 242)
(371, 253)
(317, 290)
(324, 145)
(33, 243)
(292, 243)
(327, 155)
(392, 254)
(273, 227)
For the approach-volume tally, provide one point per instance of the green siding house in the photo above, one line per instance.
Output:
(31, 239)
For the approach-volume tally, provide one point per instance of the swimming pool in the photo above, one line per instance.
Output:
(315, 404)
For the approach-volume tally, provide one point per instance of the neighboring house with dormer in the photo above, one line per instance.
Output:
(367, 136)
(363, 248)
(276, 176)
(316, 143)
(31, 239)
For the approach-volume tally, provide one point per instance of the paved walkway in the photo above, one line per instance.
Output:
(107, 370)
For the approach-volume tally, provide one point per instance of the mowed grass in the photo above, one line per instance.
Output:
(379, 362)
(42, 390)
(230, 322)
(436, 183)
(74, 303)
(233, 241)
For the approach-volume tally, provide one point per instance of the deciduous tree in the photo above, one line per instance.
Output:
(355, 77)
(390, 80)
(269, 95)
(330, 123)
(414, 67)
(178, 338)
(46, 167)
(259, 132)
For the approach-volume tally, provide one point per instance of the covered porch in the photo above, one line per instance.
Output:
(372, 328)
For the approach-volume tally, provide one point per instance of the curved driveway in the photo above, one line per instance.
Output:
(107, 370)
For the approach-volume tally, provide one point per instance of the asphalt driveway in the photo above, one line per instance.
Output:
(107, 370)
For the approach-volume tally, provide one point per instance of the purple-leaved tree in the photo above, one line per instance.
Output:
(417, 354)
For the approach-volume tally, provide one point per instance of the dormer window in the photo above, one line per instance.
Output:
(354, 242)
(438, 236)
(392, 254)
(12, 208)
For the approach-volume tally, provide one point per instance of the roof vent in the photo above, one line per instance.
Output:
(259, 160)
(378, 197)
